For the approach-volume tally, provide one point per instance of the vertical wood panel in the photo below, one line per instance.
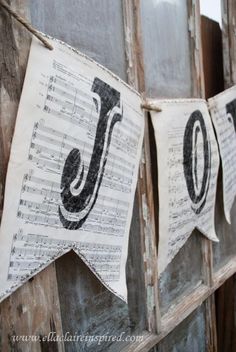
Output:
(212, 57)
(226, 321)
(172, 69)
(33, 308)
(229, 41)
(145, 186)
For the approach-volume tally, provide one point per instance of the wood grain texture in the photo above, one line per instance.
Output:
(187, 306)
(12, 68)
(85, 305)
(229, 41)
(167, 72)
(212, 57)
(33, 308)
(145, 185)
(194, 27)
(187, 336)
(225, 310)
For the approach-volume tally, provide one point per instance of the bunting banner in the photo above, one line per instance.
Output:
(223, 113)
(188, 162)
(73, 169)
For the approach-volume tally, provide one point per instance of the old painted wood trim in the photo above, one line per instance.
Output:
(210, 318)
(135, 71)
(194, 24)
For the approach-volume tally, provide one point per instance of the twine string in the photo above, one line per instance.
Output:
(145, 104)
(150, 107)
(26, 24)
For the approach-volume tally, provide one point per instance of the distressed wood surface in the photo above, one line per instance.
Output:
(34, 308)
(72, 291)
(187, 336)
(184, 308)
(194, 27)
(198, 91)
(164, 79)
(229, 41)
(182, 299)
(210, 319)
(145, 186)
(212, 57)
(226, 321)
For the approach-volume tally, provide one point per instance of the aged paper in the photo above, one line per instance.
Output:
(73, 169)
(188, 165)
(223, 113)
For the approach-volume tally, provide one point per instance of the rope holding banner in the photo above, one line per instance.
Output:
(150, 106)
(26, 24)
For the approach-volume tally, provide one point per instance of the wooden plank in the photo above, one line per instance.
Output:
(200, 91)
(167, 71)
(225, 272)
(225, 309)
(212, 57)
(175, 313)
(212, 281)
(34, 308)
(198, 88)
(210, 318)
(226, 44)
(229, 41)
(185, 307)
(134, 54)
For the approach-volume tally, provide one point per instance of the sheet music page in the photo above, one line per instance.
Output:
(223, 113)
(73, 169)
(188, 162)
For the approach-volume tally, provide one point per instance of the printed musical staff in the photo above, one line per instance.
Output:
(188, 164)
(30, 251)
(73, 170)
(223, 113)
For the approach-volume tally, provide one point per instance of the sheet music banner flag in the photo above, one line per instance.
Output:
(188, 162)
(223, 113)
(73, 169)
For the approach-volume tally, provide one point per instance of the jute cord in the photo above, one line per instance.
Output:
(26, 24)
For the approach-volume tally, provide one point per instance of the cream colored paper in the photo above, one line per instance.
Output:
(188, 162)
(73, 169)
(223, 113)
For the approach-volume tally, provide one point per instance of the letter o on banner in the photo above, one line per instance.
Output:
(197, 189)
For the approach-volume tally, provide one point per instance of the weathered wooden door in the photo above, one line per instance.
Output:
(155, 46)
